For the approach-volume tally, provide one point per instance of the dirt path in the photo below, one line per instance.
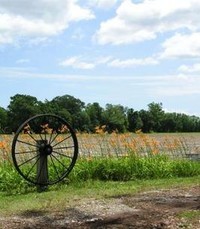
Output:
(158, 209)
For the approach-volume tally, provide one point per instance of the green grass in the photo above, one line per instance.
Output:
(133, 167)
(120, 169)
(60, 197)
(190, 215)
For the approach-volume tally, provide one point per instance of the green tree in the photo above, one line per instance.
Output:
(48, 107)
(146, 121)
(195, 123)
(21, 107)
(169, 122)
(94, 112)
(134, 120)
(70, 107)
(83, 121)
(3, 119)
(156, 115)
(114, 117)
(55, 108)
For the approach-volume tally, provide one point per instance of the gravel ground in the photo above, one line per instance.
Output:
(159, 209)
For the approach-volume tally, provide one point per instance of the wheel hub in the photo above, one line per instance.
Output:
(45, 149)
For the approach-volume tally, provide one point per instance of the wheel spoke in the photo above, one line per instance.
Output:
(32, 167)
(50, 138)
(24, 152)
(27, 143)
(54, 166)
(54, 138)
(64, 147)
(62, 141)
(61, 154)
(32, 137)
(27, 161)
(41, 138)
(59, 161)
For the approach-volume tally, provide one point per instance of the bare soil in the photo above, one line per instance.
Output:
(158, 209)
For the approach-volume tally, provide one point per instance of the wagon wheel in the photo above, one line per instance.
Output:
(44, 149)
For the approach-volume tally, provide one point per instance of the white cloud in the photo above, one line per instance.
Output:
(179, 45)
(76, 62)
(195, 68)
(79, 62)
(117, 31)
(136, 22)
(132, 62)
(103, 60)
(38, 18)
(39, 40)
(77, 13)
(103, 4)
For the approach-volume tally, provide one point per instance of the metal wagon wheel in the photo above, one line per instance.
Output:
(44, 149)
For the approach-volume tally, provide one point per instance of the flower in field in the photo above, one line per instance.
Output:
(138, 131)
(100, 129)
(3, 145)
(5, 150)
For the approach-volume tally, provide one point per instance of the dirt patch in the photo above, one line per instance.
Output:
(158, 209)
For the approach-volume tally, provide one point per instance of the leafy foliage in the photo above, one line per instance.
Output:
(86, 118)
(21, 108)
(3, 119)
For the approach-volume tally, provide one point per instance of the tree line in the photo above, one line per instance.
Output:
(86, 117)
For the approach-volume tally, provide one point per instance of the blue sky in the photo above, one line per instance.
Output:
(128, 52)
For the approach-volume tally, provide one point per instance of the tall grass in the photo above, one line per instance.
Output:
(116, 157)
(11, 182)
(133, 167)
(173, 145)
(108, 169)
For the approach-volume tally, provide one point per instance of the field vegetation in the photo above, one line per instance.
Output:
(114, 171)
(116, 157)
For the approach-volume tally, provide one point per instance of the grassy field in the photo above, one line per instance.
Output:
(115, 157)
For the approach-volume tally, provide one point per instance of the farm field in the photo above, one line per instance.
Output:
(174, 145)
(90, 145)
(158, 193)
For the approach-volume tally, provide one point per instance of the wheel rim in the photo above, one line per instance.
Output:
(44, 149)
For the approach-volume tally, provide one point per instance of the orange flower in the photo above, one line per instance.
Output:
(2, 145)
